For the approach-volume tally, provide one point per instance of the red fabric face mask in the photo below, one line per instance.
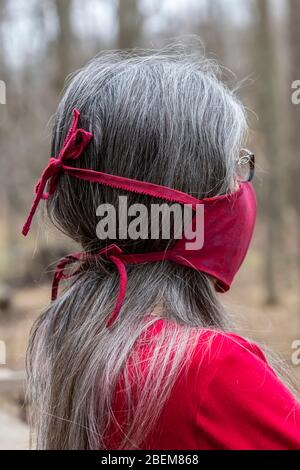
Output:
(228, 221)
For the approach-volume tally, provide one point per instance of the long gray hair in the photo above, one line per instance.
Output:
(162, 117)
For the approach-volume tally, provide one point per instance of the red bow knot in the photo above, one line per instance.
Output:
(55, 164)
(73, 146)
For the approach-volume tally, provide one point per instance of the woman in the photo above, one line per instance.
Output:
(137, 352)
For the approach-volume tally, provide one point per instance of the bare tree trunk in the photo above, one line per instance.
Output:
(268, 121)
(294, 36)
(5, 216)
(215, 32)
(64, 41)
(129, 20)
(294, 174)
(3, 68)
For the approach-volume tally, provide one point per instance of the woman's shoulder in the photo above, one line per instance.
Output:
(228, 358)
(212, 350)
(221, 343)
(242, 388)
(233, 395)
(211, 344)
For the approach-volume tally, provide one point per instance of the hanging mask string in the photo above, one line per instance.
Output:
(111, 253)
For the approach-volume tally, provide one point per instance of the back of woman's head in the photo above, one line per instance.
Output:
(158, 117)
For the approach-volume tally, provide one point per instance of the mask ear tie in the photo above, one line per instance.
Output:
(111, 253)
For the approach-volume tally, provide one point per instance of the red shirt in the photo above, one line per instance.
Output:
(230, 398)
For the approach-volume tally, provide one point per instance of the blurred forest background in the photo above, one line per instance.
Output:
(41, 42)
